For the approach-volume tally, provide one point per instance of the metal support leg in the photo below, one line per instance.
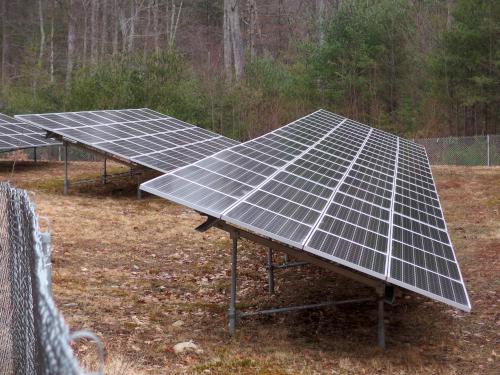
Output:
(34, 154)
(286, 258)
(66, 182)
(381, 324)
(105, 172)
(232, 304)
(139, 192)
(270, 270)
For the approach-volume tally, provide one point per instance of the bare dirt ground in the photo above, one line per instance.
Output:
(137, 274)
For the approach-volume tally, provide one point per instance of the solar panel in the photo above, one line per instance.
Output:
(335, 188)
(141, 136)
(15, 135)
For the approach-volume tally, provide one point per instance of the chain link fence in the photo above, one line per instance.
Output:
(33, 336)
(477, 150)
(51, 153)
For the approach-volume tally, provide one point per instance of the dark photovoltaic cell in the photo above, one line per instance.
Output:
(422, 254)
(142, 136)
(336, 188)
(15, 135)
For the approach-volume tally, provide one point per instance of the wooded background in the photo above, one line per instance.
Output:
(243, 67)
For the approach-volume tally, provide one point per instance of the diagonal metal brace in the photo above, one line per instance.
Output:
(211, 221)
(245, 314)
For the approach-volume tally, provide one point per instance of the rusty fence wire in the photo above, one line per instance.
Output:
(34, 338)
(477, 150)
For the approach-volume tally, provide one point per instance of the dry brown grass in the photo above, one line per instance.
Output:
(129, 269)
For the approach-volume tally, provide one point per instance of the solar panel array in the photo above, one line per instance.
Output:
(336, 188)
(15, 135)
(142, 136)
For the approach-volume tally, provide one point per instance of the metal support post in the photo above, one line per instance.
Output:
(380, 324)
(34, 154)
(286, 258)
(488, 149)
(46, 251)
(270, 270)
(66, 182)
(105, 172)
(232, 304)
(139, 191)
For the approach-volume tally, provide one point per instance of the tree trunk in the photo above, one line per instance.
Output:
(228, 59)
(71, 41)
(320, 9)
(175, 16)
(147, 33)
(42, 34)
(174, 33)
(51, 58)
(156, 11)
(104, 27)
(252, 11)
(123, 28)
(93, 31)
(131, 28)
(85, 31)
(236, 39)
(116, 24)
(4, 41)
(449, 15)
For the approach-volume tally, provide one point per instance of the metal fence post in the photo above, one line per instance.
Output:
(488, 149)
(380, 322)
(66, 182)
(232, 305)
(105, 171)
(270, 270)
(46, 250)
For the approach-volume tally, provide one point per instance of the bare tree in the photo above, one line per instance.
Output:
(449, 15)
(233, 29)
(156, 31)
(93, 31)
(320, 9)
(116, 25)
(228, 50)
(172, 27)
(147, 31)
(4, 40)
(104, 27)
(131, 22)
(42, 34)
(85, 6)
(254, 29)
(237, 40)
(51, 57)
(71, 40)
(123, 27)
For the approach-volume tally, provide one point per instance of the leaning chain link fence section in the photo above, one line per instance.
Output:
(34, 338)
(477, 150)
